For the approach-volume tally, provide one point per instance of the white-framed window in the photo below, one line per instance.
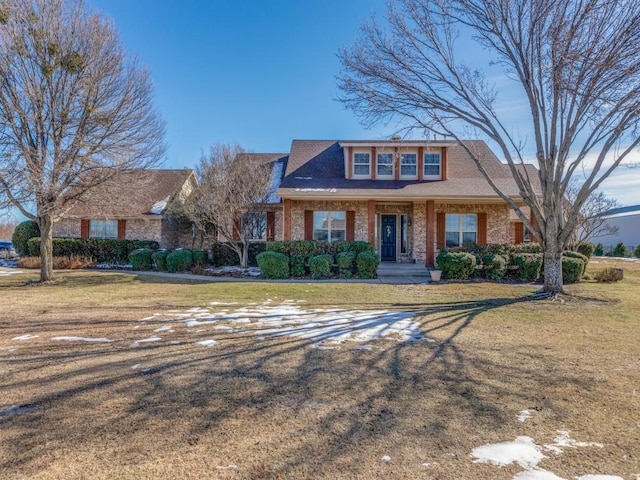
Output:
(361, 164)
(257, 225)
(330, 226)
(385, 165)
(103, 228)
(432, 164)
(409, 165)
(460, 229)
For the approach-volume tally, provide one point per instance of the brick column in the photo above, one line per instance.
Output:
(431, 233)
(286, 219)
(371, 223)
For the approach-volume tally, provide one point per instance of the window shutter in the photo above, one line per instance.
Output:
(271, 226)
(440, 230)
(84, 228)
(122, 229)
(519, 233)
(482, 228)
(308, 224)
(351, 226)
(236, 230)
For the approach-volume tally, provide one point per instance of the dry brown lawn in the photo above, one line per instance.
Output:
(280, 409)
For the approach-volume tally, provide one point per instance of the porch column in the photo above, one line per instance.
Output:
(431, 233)
(371, 224)
(286, 219)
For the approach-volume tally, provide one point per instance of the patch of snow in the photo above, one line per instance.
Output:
(18, 409)
(260, 339)
(81, 339)
(22, 338)
(207, 343)
(328, 190)
(220, 467)
(523, 415)
(600, 477)
(164, 329)
(174, 342)
(564, 441)
(133, 367)
(6, 273)
(276, 178)
(522, 451)
(386, 458)
(145, 340)
(234, 271)
(537, 474)
(364, 347)
(159, 207)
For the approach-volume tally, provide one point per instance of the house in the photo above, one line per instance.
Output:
(627, 222)
(407, 197)
(134, 207)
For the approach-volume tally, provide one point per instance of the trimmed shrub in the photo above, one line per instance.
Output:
(528, 265)
(367, 265)
(572, 269)
(580, 257)
(102, 249)
(531, 247)
(345, 261)
(140, 259)
(620, 250)
(273, 264)
(320, 266)
(636, 252)
(222, 255)
(297, 265)
(22, 234)
(160, 259)
(458, 265)
(180, 260)
(355, 247)
(200, 258)
(586, 248)
(599, 250)
(609, 275)
(493, 266)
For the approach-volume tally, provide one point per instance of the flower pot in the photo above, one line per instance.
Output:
(435, 275)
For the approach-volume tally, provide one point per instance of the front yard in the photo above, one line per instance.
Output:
(110, 375)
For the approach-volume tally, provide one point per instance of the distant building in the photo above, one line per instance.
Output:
(627, 219)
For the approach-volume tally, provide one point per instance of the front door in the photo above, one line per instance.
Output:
(388, 236)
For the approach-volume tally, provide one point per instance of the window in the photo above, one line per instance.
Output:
(103, 229)
(404, 233)
(408, 165)
(330, 226)
(361, 164)
(256, 224)
(385, 164)
(461, 229)
(432, 164)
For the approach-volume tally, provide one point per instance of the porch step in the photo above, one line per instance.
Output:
(389, 272)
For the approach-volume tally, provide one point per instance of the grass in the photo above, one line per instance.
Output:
(279, 409)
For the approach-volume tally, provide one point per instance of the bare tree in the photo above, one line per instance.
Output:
(231, 197)
(592, 221)
(74, 113)
(575, 63)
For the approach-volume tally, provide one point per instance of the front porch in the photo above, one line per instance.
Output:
(403, 273)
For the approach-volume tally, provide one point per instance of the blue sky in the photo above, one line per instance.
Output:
(256, 72)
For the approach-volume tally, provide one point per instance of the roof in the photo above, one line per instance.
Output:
(316, 170)
(132, 194)
(278, 163)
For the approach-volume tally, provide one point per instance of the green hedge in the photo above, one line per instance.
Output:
(297, 266)
(346, 263)
(572, 269)
(273, 265)
(528, 265)
(457, 265)
(21, 236)
(494, 266)
(222, 255)
(140, 259)
(180, 260)
(101, 249)
(367, 265)
(200, 258)
(586, 249)
(320, 266)
(580, 257)
(160, 259)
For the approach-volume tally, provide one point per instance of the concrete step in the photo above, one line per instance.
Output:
(409, 272)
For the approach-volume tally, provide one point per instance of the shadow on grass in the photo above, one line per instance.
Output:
(316, 410)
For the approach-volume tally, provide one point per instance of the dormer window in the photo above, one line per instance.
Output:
(432, 165)
(385, 165)
(408, 165)
(361, 164)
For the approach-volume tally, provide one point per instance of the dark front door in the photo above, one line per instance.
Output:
(388, 236)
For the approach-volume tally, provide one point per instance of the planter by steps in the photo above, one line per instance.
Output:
(435, 275)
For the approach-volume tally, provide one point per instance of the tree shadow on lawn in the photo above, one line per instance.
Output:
(309, 410)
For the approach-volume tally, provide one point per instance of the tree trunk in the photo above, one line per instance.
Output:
(45, 222)
(552, 262)
(244, 260)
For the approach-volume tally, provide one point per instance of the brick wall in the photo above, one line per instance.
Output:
(298, 208)
(497, 218)
(136, 229)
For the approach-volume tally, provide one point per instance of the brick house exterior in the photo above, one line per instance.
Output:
(408, 198)
(133, 208)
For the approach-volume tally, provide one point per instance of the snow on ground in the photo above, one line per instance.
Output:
(322, 326)
(22, 338)
(81, 339)
(207, 343)
(523, 415)
(233, 271)
(5, 273)
(524, 452)
(145, 340)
